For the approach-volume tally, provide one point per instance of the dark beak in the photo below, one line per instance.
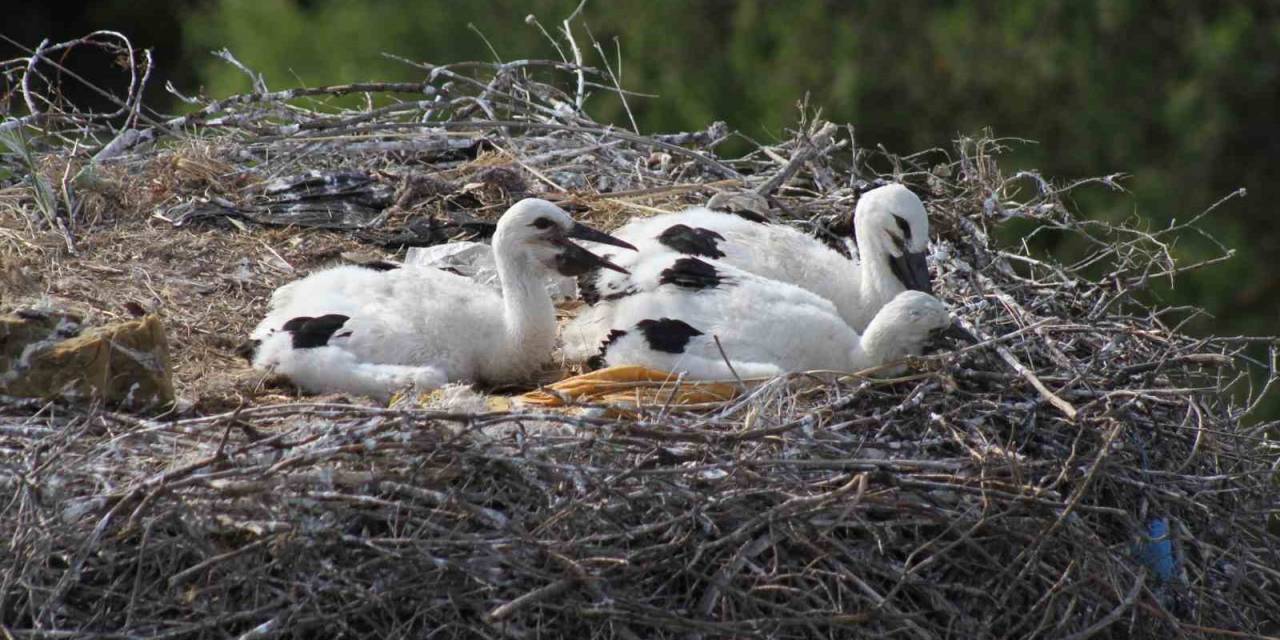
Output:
(574, 260)
(912, 270)
(583, 232)
(957, 332)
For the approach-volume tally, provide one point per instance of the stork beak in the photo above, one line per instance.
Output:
(958, 332)
(913, 271)
(575, 261)
(583, 232)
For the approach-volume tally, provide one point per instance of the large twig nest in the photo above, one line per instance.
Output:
(1087, 470)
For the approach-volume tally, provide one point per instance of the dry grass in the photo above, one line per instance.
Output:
(1000, 490)
(208, 284)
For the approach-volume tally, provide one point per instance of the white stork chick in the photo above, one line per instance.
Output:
(372, 331)
(891, 231)
(764, 327)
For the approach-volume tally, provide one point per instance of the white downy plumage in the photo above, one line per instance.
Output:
(764, 327)
(891, 229)
(368, 331)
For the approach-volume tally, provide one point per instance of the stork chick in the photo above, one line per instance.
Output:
(891, 234)
(369, 331)
(693, 315)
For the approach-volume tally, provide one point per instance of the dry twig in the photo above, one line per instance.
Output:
(946, 503)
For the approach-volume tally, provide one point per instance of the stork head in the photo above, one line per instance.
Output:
(919, 316)
(892, 219)
(543, 231)
(922, 312)
(904, 325)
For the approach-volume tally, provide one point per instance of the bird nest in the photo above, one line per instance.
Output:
(1085, 470)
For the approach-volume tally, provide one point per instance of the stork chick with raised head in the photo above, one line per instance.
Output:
(692, 315)
(372, 331)
(891, 232)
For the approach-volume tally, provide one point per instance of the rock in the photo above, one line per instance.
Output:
(47, 355)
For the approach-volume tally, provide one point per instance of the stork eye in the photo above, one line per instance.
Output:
(543, 223)
(904, 226)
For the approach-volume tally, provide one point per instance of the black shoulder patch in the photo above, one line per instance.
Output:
(691, 241)
(309, 332)
(380, 265)
(296, 323)
(666, 334)
(691, 273)
(597, 361)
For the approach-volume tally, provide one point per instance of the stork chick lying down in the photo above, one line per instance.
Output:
(764, 327)
(371, 331)
(891, 229)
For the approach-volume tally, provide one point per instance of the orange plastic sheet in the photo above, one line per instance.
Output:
(632, 386)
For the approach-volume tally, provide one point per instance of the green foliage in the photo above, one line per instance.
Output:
(343, 40)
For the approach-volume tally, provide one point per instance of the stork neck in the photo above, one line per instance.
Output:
(877, 284)
(884, 340)
(878, 279)
(528, 315)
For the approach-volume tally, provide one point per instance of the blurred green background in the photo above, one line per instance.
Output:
(1183, 97)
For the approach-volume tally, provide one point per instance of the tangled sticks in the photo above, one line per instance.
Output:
(1006, 489)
